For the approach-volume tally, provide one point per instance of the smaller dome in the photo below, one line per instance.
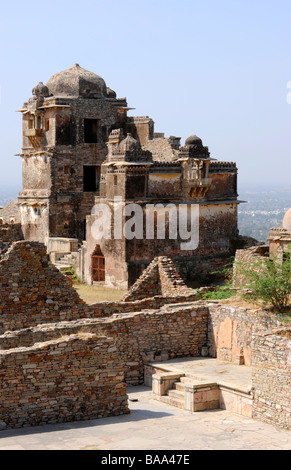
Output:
(129, 144)
(110, 93)
(40, 90)
(193, 140)
(287, 221)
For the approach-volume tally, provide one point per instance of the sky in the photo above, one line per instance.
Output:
(220, 69)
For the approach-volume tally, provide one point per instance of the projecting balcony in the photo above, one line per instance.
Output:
(33, 133)
(204, 182)
(35, 136)
(197, 187)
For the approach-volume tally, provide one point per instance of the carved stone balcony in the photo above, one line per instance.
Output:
(33, 133)
(197, 187)
(35, 136)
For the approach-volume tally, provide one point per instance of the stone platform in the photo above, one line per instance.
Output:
(198, 384)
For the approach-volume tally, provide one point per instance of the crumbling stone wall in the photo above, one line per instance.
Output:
(163, 149)
(159, 278)
(72, 378)
(271, 353)
(45, 328)
(10, 233)
(254, 257)
(34, 291)
(10, 214)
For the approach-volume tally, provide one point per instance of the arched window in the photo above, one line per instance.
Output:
(98, 265)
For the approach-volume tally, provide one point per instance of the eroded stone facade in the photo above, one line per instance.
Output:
(80, 148)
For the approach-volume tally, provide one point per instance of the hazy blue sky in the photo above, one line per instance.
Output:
(215, 68)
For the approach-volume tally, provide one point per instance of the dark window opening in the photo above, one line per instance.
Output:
(98, 265)
(67, 169)
(91, 131)
(91, 178)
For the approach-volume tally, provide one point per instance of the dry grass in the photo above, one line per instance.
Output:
(238, 301)
(92, 294)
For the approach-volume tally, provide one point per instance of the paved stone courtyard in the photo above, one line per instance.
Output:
(152, 426)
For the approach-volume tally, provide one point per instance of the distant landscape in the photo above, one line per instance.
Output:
(263, 209)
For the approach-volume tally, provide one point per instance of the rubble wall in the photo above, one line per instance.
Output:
(77, 377)
(167, 333)
(33, 291)
(271, 362)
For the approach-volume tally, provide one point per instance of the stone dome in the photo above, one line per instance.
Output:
(110, 93)
(287, 221)
(193, 140)
(129, 144)
(40, 90)
(77, 82)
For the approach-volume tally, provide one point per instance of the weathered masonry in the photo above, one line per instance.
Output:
(80, 148)
(63, 360)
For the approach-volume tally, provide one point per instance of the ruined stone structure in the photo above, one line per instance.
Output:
(62, 360)
(80, 149)
(280, 238)
(278, 249)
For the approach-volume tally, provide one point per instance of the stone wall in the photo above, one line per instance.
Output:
(76, 377)
(254, 256)
(167, 333)
(10, 214)
(230, 331)
(159, 278)
(45, 328)
(10, 233)
(34, 291)
(271, 362)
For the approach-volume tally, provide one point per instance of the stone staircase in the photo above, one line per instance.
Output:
(193, 394)
(176, 395)
(66, 261)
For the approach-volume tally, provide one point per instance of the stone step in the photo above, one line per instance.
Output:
(62, 267)
(179, 386)
(172, 401)
(176, 394)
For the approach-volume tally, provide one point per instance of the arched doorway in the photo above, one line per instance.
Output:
(98, 265)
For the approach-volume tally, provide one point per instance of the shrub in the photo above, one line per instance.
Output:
(269, 281)
(220, 293)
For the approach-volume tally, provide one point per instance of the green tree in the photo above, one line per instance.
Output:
(269, 280)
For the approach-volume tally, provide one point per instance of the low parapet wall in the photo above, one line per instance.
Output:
(67, 379)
